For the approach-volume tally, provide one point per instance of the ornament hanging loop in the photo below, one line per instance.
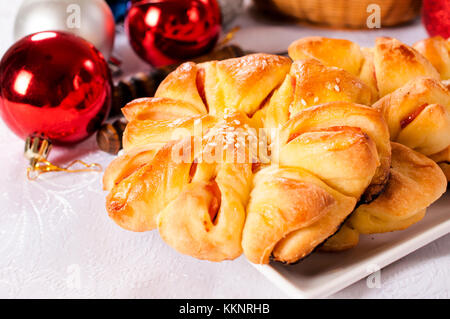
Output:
(228, 37)
(36, 151)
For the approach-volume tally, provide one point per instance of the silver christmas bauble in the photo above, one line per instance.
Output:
(230, 9)
(89, 19)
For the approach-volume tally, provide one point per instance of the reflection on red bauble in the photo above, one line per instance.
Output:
(54, 84)
(436, 17)
(163, 32)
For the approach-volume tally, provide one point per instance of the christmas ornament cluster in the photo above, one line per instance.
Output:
(55, 80)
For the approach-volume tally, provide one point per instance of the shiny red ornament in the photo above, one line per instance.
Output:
(436, 17)
(54, 84)
(164, 32)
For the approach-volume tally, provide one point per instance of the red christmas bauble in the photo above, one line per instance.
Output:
(164, 32)
(54, 84)
(436, 17)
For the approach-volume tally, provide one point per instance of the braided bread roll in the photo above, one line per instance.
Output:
(418, 115)
(337, 118)
(194, 165)
(385, 68)
(196, 200)
(205, 220)
(415, 183)
(310, 83)
(329, 155)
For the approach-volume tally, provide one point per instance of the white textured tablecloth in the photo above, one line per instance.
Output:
(56, 239)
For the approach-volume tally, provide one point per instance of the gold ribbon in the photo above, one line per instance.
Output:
(228, 37)
(44, 166)
(37, 149)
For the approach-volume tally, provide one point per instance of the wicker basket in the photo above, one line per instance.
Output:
(344, 13)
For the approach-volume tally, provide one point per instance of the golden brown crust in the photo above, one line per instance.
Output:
(186, 224)
(418, 115)
(292, 212)
(327, 156)
(206, 219)
(367, 73)
(155, 134)
(316, 84)
(337, 114)
(153, 123)
(123, 166)
(310, 83)
(243, 84)
(195, 198)
(386, 67)
(343, 157)
(415, 183)
(136, 200)
(437, 51)
(183, 85)
(397, 63)
(339, 53)
(300, 243)
(158, 109)
(275, 111)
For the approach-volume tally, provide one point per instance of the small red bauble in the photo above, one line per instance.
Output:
(164, 32)
(54, 84)
(436, 17)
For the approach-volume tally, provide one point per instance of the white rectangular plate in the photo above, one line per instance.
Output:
(323, 274)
